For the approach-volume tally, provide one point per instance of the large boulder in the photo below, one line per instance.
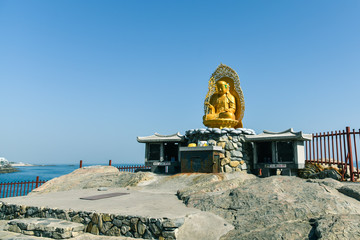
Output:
(277, 207)
(93, 177)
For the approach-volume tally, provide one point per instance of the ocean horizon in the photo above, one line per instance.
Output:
(45, 172)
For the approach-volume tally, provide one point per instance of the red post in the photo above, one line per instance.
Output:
(80, 163)
(109, 162)
(356, 155)
(321, 151)
(350, 154)
(313, 146)
(337, 148)
(37, 182)
(328, 143)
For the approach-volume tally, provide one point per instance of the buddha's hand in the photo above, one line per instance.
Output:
(230, 110)
(210, 108)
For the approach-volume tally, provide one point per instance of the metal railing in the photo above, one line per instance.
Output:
(15, 189)
(337, 148)
(131, 168)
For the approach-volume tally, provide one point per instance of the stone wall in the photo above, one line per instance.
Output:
(99, 223)
(238, 155)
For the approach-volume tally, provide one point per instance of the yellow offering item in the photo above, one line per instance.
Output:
(192, 145)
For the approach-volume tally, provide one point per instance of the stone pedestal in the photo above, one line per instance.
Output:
(238, 154)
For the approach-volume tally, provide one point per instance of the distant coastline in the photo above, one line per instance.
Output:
(21, 164)
(8, 169)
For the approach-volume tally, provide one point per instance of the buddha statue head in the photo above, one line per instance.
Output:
(222, 87)
(224, 103)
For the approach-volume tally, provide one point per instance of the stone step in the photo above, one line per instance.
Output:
(46, 227)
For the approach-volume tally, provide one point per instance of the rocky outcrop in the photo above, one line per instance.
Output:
(279, 207)
(7, 169)
(93, 177)
(334, 227)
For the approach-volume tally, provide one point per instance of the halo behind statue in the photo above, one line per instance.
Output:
(227, 74)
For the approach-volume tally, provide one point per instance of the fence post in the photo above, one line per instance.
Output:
(350, 153)
(109, 162)
(37, 182)
(80, 163)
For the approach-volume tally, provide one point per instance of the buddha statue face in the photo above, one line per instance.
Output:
(222, 87)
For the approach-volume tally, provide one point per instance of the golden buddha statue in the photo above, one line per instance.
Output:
(224, 103)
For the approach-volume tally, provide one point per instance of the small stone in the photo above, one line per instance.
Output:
(107, 217)
(133, 224)
(114, 231)
(31, 211)
(126, 222)
(102, 189)
(236, 154)
(217, 131)
(141, 228)
(227, 169)
(230, 137)
(14, 228)
(22, 225)
(229, 146)
(117, 222)
(94, 230)
(234, 164)
(106, 227)
(223, 138)
(211, 142)
(174, 223)
(76, 219)
(236, 159)
(148, 235)
(89, 227)
(125, 229)
(86, 220)
(155, 229)
(95, 218)
(228, 154)
(22, 209)
(129, 234)
(221, 144)
(237, 169)
(243, 166)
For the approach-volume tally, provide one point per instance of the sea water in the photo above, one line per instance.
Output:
(45, 172)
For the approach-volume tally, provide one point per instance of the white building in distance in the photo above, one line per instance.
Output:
(3, 161)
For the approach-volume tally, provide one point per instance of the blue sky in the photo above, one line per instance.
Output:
(83, 79)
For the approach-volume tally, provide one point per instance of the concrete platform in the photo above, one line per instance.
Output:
(140, 203)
